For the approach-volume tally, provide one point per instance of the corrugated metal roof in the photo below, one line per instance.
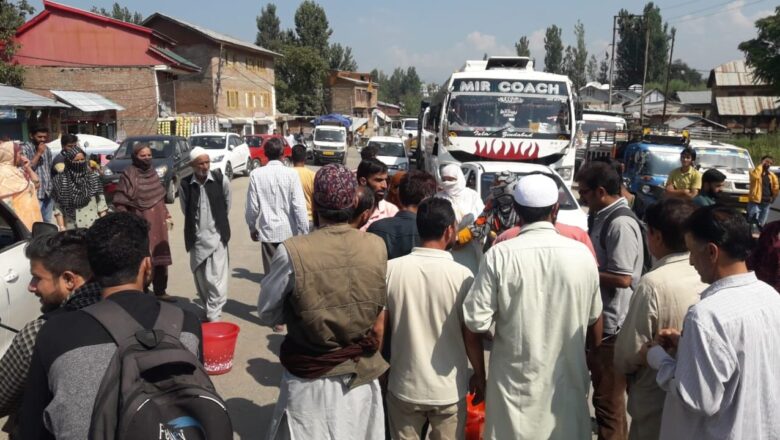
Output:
(177, 58)
(686, 121)
(13, 97)
(748, 105)
(701, 97)
(87, 102)
(733, 73)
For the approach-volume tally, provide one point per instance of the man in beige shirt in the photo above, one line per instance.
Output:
(661, 300)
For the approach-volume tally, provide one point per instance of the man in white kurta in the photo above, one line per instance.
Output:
(542, 292)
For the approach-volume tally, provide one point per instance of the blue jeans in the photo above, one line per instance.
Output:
(47, 209)
(758, 213)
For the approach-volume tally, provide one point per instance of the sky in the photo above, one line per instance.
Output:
(437, 37)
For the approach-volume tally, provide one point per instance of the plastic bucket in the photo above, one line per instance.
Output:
(475, 419)
(219, 344)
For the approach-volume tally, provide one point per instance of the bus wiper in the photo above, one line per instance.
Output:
(500, 130)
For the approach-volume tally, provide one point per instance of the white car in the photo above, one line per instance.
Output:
(734, 162)
(480, 177)
(17, 305)
(228, 152)
(391, 152)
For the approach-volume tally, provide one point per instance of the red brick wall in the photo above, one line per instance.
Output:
(131, 87)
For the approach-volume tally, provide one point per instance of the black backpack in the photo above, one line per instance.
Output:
(154, 386)
(620, 211)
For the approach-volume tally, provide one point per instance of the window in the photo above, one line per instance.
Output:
(251, 100)
(232, 99)
(265, 100)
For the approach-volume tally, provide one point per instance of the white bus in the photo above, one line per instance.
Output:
(501, 109)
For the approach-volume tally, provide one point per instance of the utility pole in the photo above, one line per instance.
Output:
(668, 76)
(612, 58)
(644, 75)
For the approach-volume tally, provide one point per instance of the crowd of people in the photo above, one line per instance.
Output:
(390, 290)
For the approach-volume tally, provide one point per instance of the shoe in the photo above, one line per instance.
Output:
(279, 328)
(165, 297)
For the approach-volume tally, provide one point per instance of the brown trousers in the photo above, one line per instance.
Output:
(609, 392)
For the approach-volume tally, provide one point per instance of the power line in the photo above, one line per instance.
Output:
(667, 8)
(690, 17)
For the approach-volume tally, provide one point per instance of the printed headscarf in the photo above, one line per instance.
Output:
(77, 185)
(12, 179)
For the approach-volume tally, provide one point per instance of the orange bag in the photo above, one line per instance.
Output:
(475, 419)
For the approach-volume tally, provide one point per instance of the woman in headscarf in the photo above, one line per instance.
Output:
(77, 192)
(139, 191)
(392, 189)
(465, 201)
(18, 183)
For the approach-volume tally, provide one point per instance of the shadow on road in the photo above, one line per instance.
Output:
(240, 272)
(241, 310)
(250, 421)
(265, 372)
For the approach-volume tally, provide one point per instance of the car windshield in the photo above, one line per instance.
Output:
(514, 114)
(565, 197)
(410, 124)
(161, 148)
(392, 149)
(731, 162)
(660, 163)
(329, 135)
(208, 142)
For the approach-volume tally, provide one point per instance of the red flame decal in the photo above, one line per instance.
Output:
(512, 153)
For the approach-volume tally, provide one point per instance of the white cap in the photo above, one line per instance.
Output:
(196, 153)
(536, 191)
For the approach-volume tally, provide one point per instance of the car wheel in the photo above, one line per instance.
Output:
(256, 164)
(170, 192)
(229, 171)
(247, 167)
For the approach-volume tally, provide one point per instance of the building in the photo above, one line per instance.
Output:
(741, 101)
(391, 110)
(128, 72)
(698, 102)
(352, 94)
(595, 96)
(235, 80)
(20, 109)
(653, 107)
(699, 127)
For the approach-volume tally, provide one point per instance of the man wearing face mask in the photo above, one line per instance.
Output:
(73, 350)
(61, 281)
(205, 202)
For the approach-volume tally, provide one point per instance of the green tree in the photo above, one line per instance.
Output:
(12, 15)
(631, 47)
(269, 31)
(680, 70)
(120, 13)
(553, 50)
(763, 52)
(578, 58)
(312, 28)
(300, 75)
(603, 75)
(523, 47)
(593, 68)
(675, 85)
(340, 58)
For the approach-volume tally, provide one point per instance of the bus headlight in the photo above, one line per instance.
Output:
(566, 173)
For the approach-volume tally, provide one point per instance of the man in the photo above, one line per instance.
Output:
(763, 190)
(290, 138)
(542, 292)
(684, 181)
(61, 280)
(373, 173)
(620, 260)
(723, 381)
(275, 203)
(67, 141)
(422, 326)
(306, 176)
(661, 300)
(329, 288)
(369, 152)
(73, 349)
(41, 161)
(400, 231)
(205, 201)
(364, 207)
(711, 185)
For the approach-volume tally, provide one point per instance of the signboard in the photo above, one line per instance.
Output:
(502, 86)
(7, 113)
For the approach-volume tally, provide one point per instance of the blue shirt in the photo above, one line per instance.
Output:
(399, 233)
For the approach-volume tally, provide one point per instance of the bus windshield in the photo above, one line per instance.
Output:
(329, 135)
(508, 113)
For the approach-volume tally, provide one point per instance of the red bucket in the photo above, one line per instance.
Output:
(475, 419)
(219, 344)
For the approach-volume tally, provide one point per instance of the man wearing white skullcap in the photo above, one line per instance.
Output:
(205, 202)
(541, 290)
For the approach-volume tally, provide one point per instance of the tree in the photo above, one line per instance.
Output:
(312, 28)
(523, 47)
(763, 52)
(402, 87)
(631, 47)
(593, 69)
(604, 69)
(269, 32)
(120, 13)
(300, 75)
(577, 65)
(340, 58)
(553, 50)
(680, 70)
(12, 15)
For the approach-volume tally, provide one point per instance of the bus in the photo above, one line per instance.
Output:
(500, 109)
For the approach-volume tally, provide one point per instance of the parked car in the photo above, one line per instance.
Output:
(481, 175)
(170, 158)
(256, 143)
(391, 152)
(228, 152)
(330, 144)
(17, 305)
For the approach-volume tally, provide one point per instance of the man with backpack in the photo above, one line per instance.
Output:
(618, 238)
(127, 348)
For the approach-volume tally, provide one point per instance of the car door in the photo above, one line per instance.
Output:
(232, 154)
(241, 150)
(183, 168)
(17, 305)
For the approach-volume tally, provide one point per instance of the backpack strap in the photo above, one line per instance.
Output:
(117, 322)
(620, 211)
(170, 319)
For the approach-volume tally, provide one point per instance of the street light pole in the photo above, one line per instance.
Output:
(644, 75)
(668, 76)
(612, 59)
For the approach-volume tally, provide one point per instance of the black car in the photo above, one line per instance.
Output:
(170, 158)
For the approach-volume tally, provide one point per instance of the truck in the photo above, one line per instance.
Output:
(330, 139)
(500, 109)
(598, 134)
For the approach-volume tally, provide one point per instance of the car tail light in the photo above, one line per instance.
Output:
(110, 188)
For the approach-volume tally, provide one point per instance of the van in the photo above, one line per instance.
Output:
(330, 144)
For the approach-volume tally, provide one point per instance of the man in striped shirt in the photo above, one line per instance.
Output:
(723, 381)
